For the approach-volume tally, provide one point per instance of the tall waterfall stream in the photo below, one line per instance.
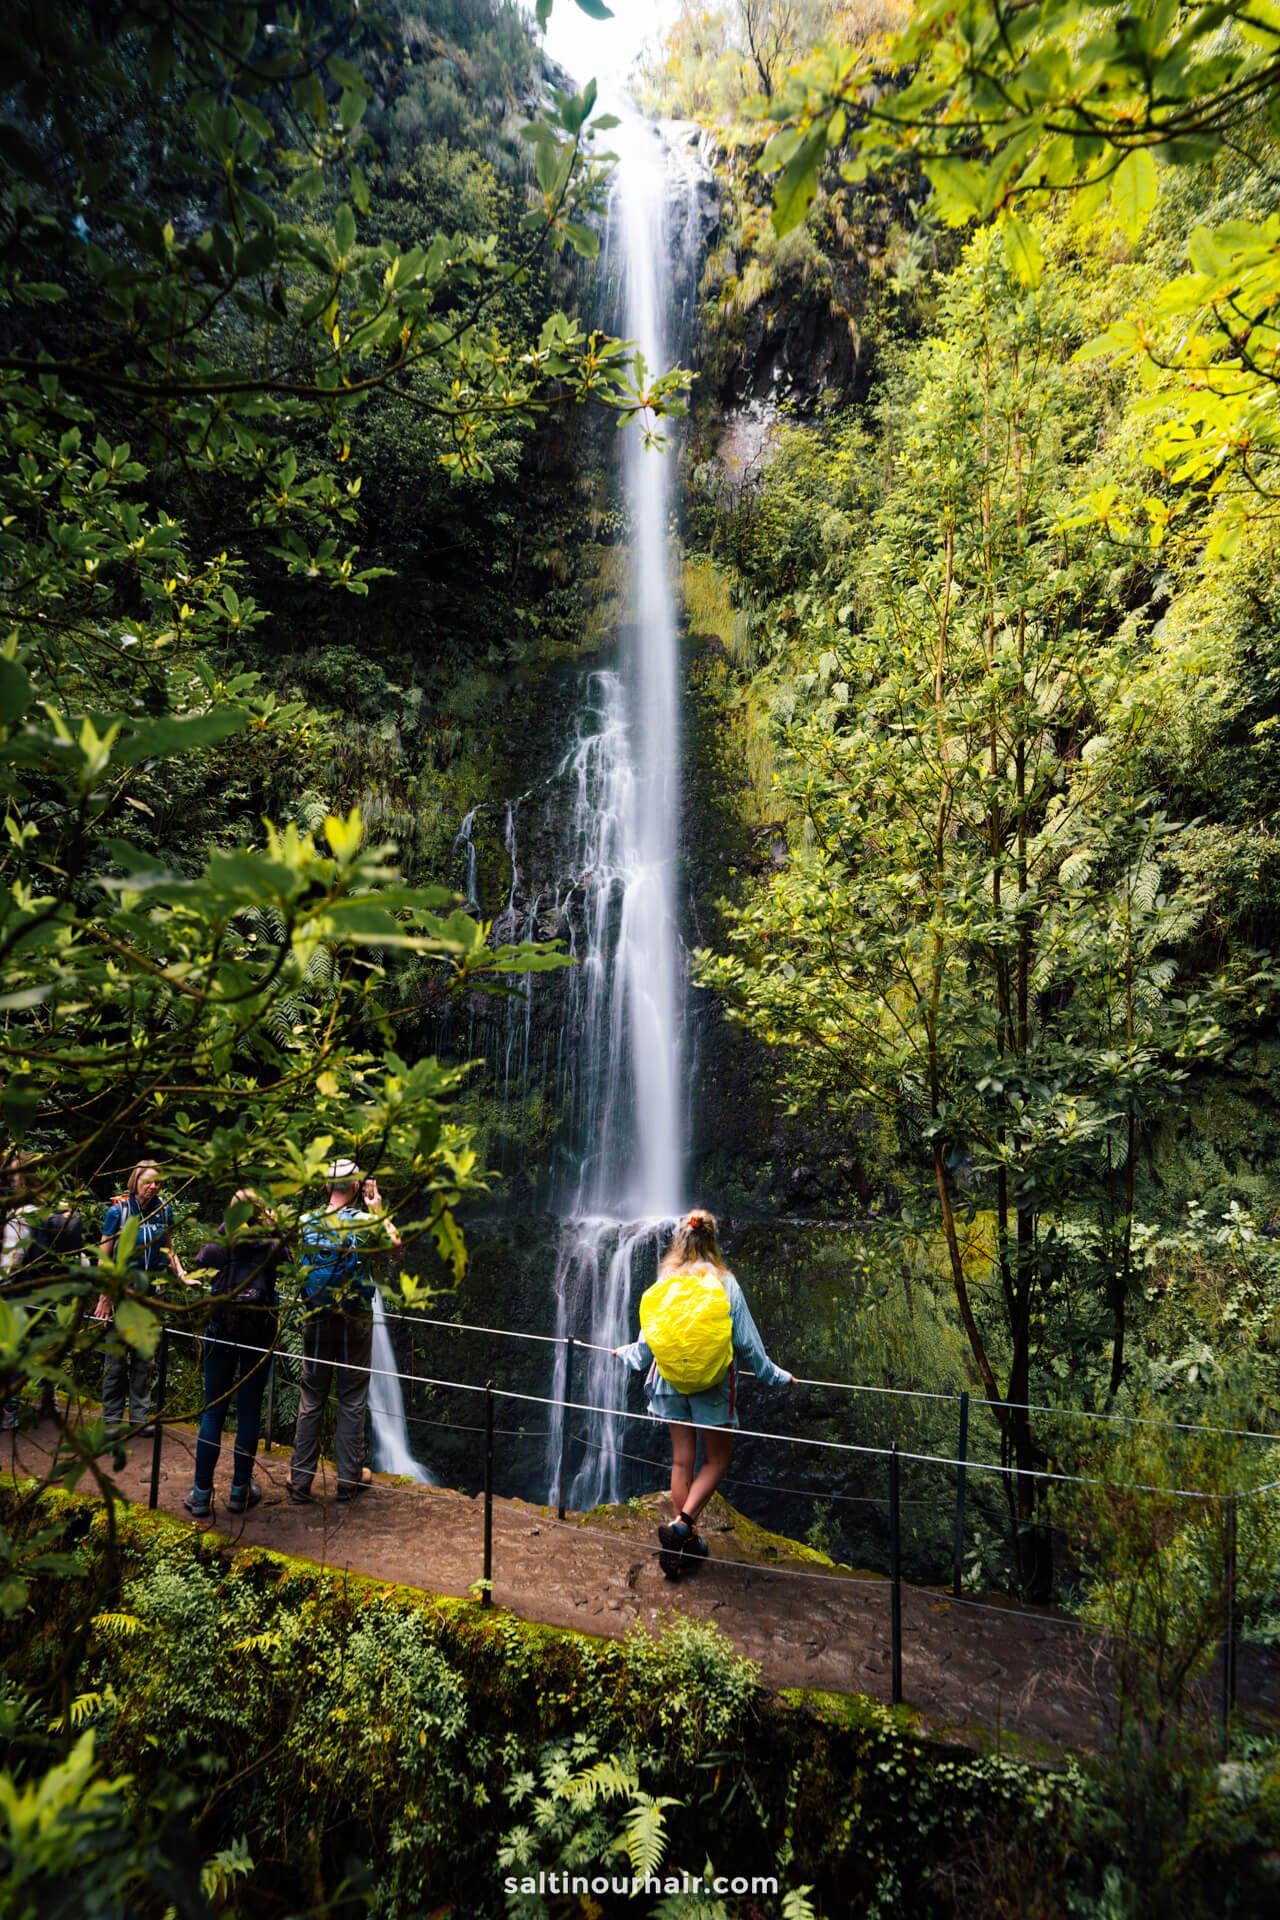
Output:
(621, 1069)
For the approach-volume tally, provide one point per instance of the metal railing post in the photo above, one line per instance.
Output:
(486, 1591)
(895, 1576)
(271, 1401)
(569, 1347)
(157, 1422)
(1229, 1623)
(962, 1455)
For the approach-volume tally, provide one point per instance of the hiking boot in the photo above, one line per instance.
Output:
(240, 1499)
(695, 1547)
(300, 1496)
(200, 1505)
(673, 1537)
(349, 1491)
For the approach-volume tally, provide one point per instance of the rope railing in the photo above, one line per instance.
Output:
(852, 1447)
(895, 1393)
(566, 1405)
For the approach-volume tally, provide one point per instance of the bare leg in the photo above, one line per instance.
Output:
(717, 1452)
(684, 1453)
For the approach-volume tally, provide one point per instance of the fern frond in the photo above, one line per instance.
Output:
(644, 1835)
(85, 1706)
(258, 1643)
(119, 1626)
(607, 1779)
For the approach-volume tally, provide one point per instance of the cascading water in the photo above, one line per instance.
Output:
(626, 998)
(386, 1406)
(613, 1060)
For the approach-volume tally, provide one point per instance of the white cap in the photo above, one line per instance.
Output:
(343, 1173)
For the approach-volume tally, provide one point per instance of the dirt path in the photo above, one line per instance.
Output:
(974, 1668)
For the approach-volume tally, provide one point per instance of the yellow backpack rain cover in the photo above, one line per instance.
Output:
(686, 1319)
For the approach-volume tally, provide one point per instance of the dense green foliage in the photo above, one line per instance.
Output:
(363, 1749)
(302, 515)
(213, 950)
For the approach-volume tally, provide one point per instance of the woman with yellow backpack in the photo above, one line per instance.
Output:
(694, 1326)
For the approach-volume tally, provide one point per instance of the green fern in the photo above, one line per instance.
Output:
(85, 1707)
(644, 1834)
(258, 1643)
(607, 1779)
(119, 1626)
(218, 1873)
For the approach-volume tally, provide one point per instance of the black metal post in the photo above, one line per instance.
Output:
(569, 1346)
(157, 1421)
(1229, 1623)
(895, 1575)
(486, 1591)
(962, 1455)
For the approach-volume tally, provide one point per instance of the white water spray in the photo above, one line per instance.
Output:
(386, 1407)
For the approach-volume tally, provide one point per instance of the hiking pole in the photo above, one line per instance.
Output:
(569, 1346)
(895, 1577)
(962, 1455)
(486, 1585)
(158, 1427)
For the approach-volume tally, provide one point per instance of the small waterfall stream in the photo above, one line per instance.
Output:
(391, 1452)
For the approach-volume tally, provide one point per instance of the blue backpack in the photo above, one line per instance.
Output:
(331, 1259)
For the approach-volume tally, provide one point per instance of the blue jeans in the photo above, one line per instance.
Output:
(230, 1368)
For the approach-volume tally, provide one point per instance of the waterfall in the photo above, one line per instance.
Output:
(626, 998)
(386, 1406)
(615, 1066)
(465, 838)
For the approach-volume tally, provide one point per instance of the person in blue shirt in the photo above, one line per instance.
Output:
(713, 1413)
(127, 1374)
(337, 1334)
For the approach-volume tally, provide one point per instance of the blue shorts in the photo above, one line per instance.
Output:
(714, 1407)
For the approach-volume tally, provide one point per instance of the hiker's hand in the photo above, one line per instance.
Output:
(103, 1309)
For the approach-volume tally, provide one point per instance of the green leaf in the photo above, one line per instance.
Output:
(594, 9)
(1134, 191)
(344, 228)
(16, 691)
(1022, 250)
(138, 1327)
(582, 239)
(798, 181)
(959, 190)
(180, 733)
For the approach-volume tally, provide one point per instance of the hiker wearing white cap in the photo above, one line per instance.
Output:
(337, 1335)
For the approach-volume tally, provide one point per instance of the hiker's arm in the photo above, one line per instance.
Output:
(106, 1254)
(373, 1200)
(637, 1356)
(747, 1342)
(175, 1265)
